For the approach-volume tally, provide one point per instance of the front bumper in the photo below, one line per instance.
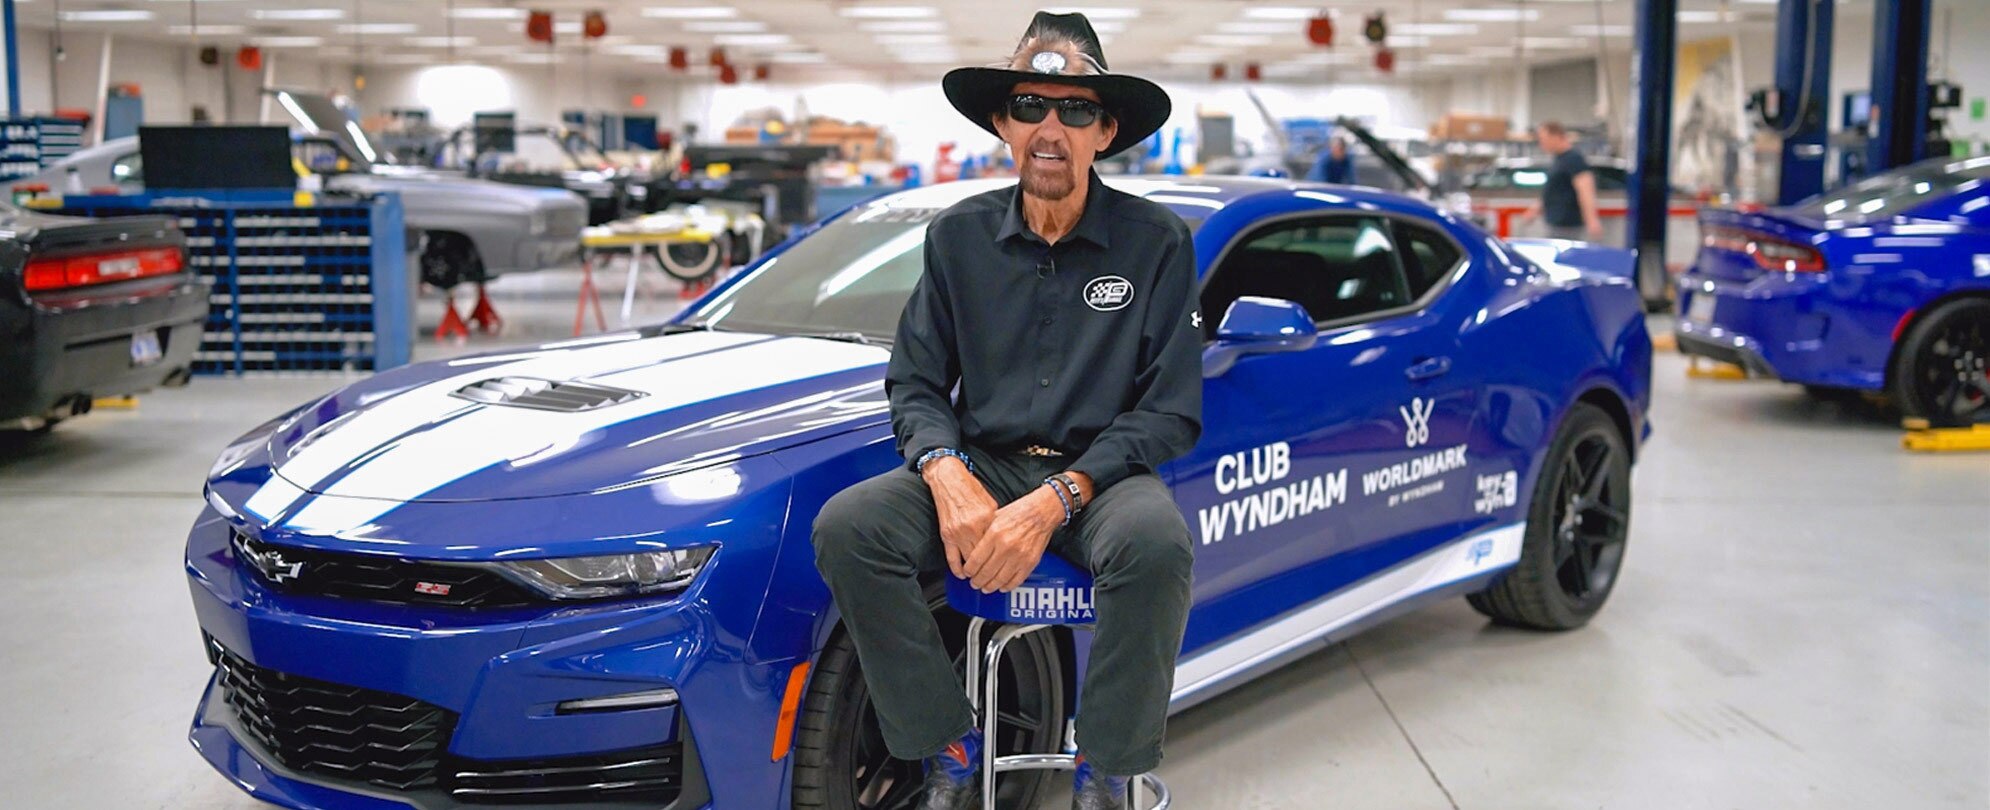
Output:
(55, 352)
(486, 684)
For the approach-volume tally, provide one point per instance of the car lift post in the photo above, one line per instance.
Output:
(1900, 85)
(1803, 77)
(13, 62)
(1656, 40)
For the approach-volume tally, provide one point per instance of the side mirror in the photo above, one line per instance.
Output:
(1256, 325)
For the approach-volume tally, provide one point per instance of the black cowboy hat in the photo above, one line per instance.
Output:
(1061, 49)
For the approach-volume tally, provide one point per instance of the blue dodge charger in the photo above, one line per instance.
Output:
(1881, 286)
(580, 573)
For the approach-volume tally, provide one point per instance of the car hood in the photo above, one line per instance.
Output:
(432, 183)
(456, 431)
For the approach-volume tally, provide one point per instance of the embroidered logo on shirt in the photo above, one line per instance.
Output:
(1108, 293)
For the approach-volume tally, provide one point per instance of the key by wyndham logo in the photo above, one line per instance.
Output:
(1051, 604)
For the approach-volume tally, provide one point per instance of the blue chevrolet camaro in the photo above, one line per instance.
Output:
(581, 572)
(1881, 286)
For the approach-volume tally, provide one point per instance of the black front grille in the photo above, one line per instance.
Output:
(652, 774)
(379, 579)
(343, 732)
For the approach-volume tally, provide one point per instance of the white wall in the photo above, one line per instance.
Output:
(170, 77)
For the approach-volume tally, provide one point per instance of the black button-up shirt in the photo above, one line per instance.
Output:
(1091, 346)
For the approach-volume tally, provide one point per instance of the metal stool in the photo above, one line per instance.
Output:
(1056, 593)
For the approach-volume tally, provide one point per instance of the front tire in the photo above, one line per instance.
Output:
(449, 259)
(1942, 371)
(1578, 523)
(840, 757)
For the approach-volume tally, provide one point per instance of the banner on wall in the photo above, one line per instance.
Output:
(1709, 126)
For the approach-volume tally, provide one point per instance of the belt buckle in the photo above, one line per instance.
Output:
(1041, 451)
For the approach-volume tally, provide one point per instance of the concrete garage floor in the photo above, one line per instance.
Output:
(1803, 621)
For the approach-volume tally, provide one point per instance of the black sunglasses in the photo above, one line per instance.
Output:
(1074, 112)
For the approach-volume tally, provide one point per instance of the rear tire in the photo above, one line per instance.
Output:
(1578, 524)
(1941, 372)
(840, 761)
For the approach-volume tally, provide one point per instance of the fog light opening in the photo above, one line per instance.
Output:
(648, 699)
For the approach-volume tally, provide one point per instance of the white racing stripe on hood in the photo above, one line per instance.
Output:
(409, 410)
(498, 435)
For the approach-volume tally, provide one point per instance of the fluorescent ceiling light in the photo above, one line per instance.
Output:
(1434, 29)
(1600, 30)
(287, 42)
(441, 42)
(1261, 27)
(1194, 57)
(1285, 13)
(1451, 59)
(889, 12)
(206, 30)
(725, 26)
(749, 40)
(918, 58)
(533, 58)
(902, 26)
(488, 13)
(106, 15)
(911, 39)
(1098, 12)
(298, 14)
(403, 59)
(378, 28)
(1492, 14)
(1233, 40)
(690, 12)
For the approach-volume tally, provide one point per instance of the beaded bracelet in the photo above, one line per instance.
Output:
(1058, 490)
(1077, 497)
(935, 453)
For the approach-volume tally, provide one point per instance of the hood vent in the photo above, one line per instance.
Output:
(545, 395)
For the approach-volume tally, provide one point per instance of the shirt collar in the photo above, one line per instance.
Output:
(1091, 227)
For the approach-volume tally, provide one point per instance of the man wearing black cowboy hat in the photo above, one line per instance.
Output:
(1066, 313)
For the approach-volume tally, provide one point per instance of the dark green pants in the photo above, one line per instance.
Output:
(874, 540)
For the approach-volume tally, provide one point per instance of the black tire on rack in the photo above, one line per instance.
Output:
(1941, 371)
(1578, 524)
(695, 261)
(840, 760)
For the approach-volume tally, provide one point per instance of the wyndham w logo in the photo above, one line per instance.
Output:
(1108, 293)
(1051, 604)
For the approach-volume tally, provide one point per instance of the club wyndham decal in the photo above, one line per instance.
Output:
(1108, 293)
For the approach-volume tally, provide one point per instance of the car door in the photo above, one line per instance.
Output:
(1320, 466)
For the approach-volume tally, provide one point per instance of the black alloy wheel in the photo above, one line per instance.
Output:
(841, 762)
(1578, 526)
(1943, 371)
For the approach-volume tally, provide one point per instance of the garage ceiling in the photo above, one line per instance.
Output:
(1168, 39)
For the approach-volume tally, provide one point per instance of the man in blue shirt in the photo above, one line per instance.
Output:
(1334, 165)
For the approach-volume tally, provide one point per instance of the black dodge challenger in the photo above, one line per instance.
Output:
(91, 308)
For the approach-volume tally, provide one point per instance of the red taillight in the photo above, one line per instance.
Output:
(101, 268)
(1768, 252)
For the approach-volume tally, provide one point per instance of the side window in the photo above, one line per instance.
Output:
(1427, 257)
(128, 169)
(1338, 268)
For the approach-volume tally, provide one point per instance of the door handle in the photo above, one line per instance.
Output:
(1428, 368)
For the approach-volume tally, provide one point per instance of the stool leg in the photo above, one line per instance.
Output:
(973, 679)
(991, 713)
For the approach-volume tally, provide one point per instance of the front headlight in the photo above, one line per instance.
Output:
(539, 223)
(610, 575)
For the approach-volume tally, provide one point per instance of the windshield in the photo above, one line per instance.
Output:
(853, 276)
(319, 115)
(1897, 191)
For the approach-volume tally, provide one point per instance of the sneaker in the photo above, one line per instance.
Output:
(1091, 790)
(953, 777)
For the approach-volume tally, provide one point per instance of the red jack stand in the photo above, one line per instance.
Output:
(484, 315)
(588, 292)
(452, 325)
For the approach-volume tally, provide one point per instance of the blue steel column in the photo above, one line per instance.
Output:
(13, 63)
(1656, 44)
(1803, 43)
(1900, 84)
